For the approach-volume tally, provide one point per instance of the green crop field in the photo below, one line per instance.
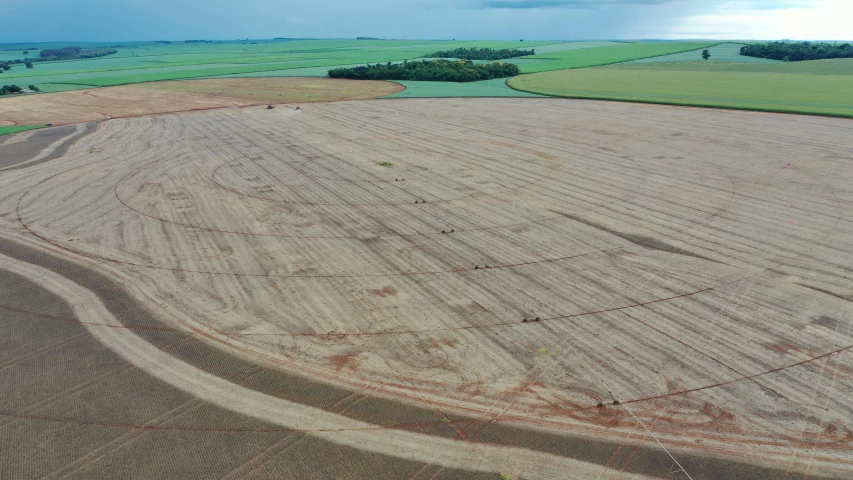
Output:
(149, 61)
(661, 72)
(838, 66)
(16, 129)
(486, 88)
(559, 47)
(819, 87)
(604, 55)
(726, 52)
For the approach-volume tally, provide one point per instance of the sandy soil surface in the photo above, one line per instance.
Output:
(179, 96)
(690, 270)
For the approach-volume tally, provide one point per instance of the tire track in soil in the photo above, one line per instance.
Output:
(457, 271)
(152, 427)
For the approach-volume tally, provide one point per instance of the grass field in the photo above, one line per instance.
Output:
(603, 55)
(838, 66)
(5, 130)
(819, 87)
(250, 293)
(486, 88)
(726, 52)
(559, 47)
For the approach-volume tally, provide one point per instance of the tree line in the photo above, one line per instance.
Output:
(73, 53)
(428, 70)
(52, 55)
(5, 67)
(480, 53)
(12, 89)
(798, 51)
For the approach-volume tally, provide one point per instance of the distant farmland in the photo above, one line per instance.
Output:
(818, 87)
(604, 55)
(725, 52)
(150, 62)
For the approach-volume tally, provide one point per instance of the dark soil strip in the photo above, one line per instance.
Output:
(289, 386)
(61, 371)
(19, 152)
(827, 292)
(640, 240)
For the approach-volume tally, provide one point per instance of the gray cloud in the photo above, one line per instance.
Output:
(600, 4)
(574, 4)
(126, 20)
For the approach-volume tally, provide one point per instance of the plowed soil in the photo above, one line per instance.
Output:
(180, 96)
(540, 288)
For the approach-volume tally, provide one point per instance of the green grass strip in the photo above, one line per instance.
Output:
(17, 128)
(486, 88)
(829, 95)
(606, 55)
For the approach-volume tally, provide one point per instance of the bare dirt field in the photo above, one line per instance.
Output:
(179, 96)
(454, 288)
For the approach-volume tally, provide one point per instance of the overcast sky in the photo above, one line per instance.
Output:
(125, 20)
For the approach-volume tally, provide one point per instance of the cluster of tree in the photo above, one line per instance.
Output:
(798, 51)
(429, 70)
(163, 41)
(481, 53)
(66, 52)
(6, 66)
(10, 89)
(197, 41)
(73, 53)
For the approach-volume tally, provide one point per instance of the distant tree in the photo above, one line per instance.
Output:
(706, 54)
(429, 70)
(33, 88)
(26, 52)
(29, 64)
(5, 66)
(480, 53)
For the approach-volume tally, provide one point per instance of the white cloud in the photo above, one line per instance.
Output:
(295, 20)
(814, 20)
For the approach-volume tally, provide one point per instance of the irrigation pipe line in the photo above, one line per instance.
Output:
(630, 412)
